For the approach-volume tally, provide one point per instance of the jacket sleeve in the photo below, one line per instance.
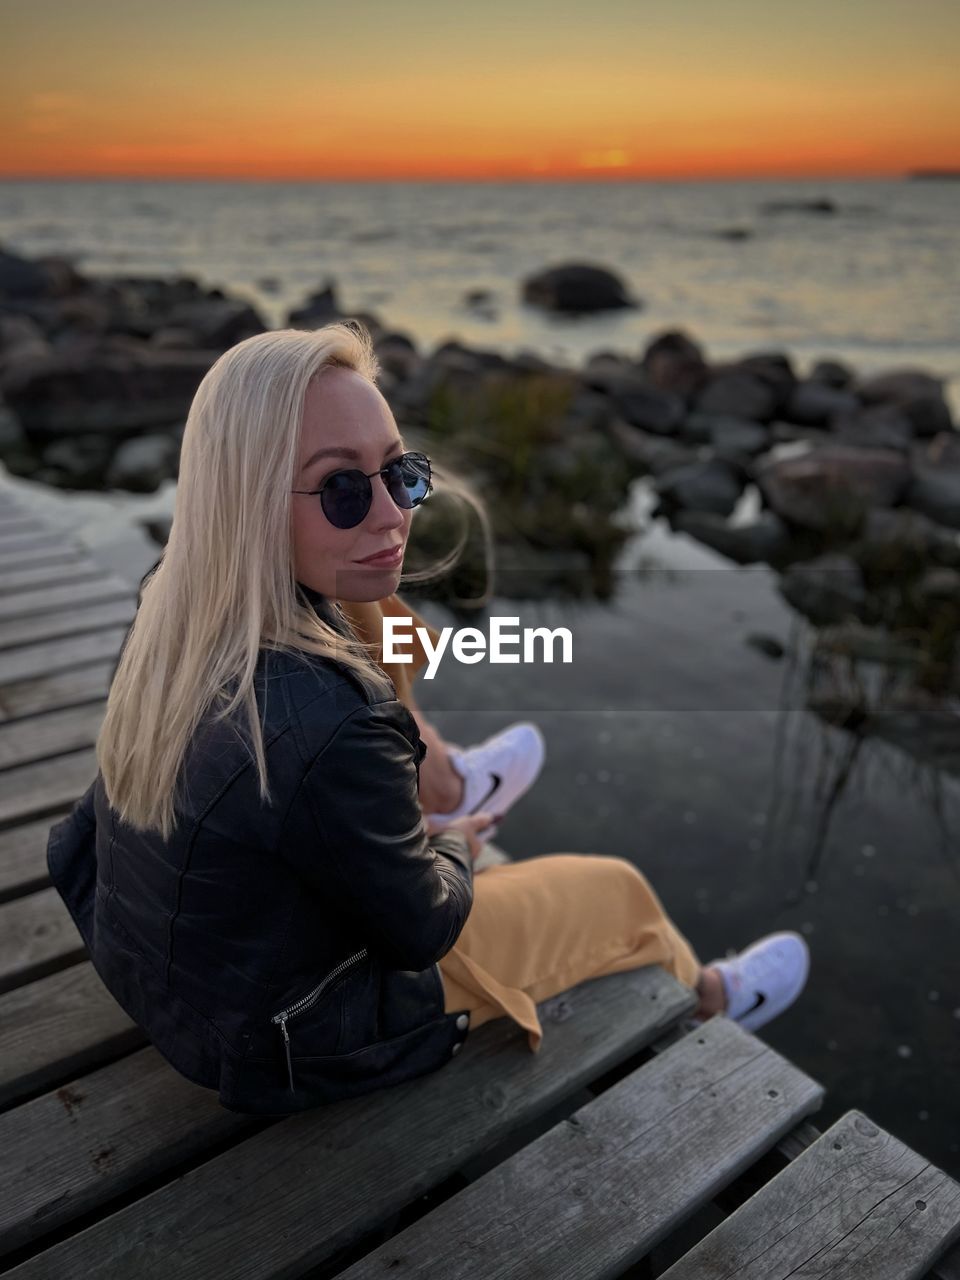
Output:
(409, 895)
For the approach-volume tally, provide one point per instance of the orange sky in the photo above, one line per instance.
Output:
(416, 89)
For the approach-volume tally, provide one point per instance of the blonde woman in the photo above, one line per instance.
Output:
(250, 869)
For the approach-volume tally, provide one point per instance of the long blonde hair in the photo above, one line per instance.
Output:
(225, 586)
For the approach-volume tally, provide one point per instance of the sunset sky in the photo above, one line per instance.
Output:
(415, 89)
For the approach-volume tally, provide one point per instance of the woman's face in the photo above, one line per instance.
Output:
(347, 425)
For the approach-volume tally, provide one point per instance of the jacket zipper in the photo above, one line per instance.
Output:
(307, 1001)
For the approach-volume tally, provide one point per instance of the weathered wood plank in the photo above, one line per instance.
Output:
(36, 937)
(51, 734)
(286, 1198)
(49, 656)
(45, 553)
(71, 1150)
(23, 856)
(856, 1203)
(57, 1026)
(66, 688)
(51, 599)
(31, 789)
(596, 1193)
(71, 622)
(40, 575)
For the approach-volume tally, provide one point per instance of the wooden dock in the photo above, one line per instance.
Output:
(634, 1144)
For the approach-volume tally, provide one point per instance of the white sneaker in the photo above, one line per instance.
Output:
(765, 979)
(496, 773)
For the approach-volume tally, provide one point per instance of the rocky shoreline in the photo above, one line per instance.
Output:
(858, 480)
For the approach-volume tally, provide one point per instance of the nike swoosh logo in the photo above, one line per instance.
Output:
(497, 781)
(760, 1000)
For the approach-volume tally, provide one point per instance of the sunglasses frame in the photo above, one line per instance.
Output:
(369, 475)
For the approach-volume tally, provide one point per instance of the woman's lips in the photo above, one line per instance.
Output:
(384, 559)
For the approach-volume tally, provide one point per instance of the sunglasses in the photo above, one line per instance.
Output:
(347, 496)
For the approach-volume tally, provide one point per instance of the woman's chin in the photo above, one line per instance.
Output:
(363, 583)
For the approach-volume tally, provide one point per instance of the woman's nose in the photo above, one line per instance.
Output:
(384, 512)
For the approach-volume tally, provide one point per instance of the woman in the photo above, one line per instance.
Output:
(250, 871)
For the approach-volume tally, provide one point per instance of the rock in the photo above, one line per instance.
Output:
(104, 390)
(813, 403)
(21, 278)
(769, 646)
(674, 363)
(647, 452)
(171, 339)
(935, 492)
(734, 233)
(917, 395)
(12, 435)
(730, 438)
(942, 451)
(775, 369)
(735, 392)
(819, 206)
(831, 488)
(637, 403)
(828, 589)
(701, 486)
(882, 426)
(398, 355)
(216, 324)
(142, 464)
(766, 539)
(832, 374)
(78, 462)
(576, 289)
(320, 308)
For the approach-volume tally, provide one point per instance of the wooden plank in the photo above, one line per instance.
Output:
(51, 734)
(52, 1028)
(23, 856)
(71, 622)
(15, 523)
(856, 1203)
(595, 1194)
(286, 1198)
(37, 936)
(51, 599)
(40, 575)
(48, 656)
(48, 543)
(66, 688)
(32, 789)
(45, 553)
(71, 1150)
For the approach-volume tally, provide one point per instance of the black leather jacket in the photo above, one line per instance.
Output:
(283, 954)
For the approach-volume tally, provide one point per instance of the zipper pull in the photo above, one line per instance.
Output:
(286, 1044)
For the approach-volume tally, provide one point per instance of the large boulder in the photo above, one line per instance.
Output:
(881, 426)
(756, 387)
(831, 488)
(216, 323)
(577, 288)
(24, 279)
(112, 389)
(900, 543)
(729, 437)
(647, 452)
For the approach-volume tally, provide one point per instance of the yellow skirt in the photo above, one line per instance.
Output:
(539, 927)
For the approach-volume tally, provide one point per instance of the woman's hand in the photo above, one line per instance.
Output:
(471, 826)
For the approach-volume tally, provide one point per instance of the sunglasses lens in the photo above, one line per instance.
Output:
(346, 499)
(409, 479)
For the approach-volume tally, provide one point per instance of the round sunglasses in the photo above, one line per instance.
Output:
(347, 496)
